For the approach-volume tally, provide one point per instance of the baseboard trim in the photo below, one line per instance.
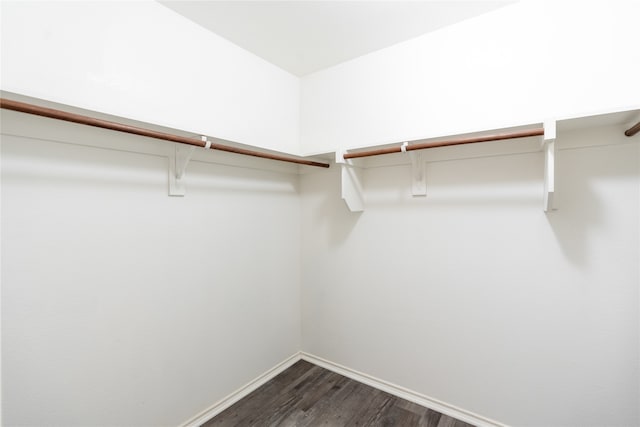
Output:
(243, 391)
(412, 396)
(396, 390)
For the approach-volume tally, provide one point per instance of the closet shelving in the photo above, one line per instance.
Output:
(542, 136)
(204, 142)
(183, 150)
(351, 179)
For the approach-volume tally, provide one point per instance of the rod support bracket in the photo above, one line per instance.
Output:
(350, 183)
(178, 160)
(549, 147)
(418, 172)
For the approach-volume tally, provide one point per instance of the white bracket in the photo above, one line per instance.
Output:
(549, 147)
(418, 172)
(351, 183)
(178, 161)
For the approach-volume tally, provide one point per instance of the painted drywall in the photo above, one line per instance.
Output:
(140, 60)
(123, 306)
(517, 65)
(474, 296)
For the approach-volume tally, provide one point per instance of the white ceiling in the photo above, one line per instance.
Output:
(306, 36)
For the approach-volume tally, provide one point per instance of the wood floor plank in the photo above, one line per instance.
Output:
(343, 404)
(428, 417)
(261, 399)
(319, 409)
(372, 407)
(447, 421)
(396, 416)
(306, 395)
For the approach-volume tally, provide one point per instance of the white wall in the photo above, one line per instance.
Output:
(117, 296)
(473, 295)
(123, 306)
(140, 60)
(517, 65)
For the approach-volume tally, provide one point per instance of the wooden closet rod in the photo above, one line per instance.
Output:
(105, 124)
(633, 130)
(458, 141)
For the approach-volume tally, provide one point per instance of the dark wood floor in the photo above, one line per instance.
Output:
(308, 395)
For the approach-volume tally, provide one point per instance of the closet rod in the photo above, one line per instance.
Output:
(459, 141)
(105, 124)
(633, 130)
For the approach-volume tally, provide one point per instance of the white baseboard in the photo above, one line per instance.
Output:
(412, 396)
(243, 391)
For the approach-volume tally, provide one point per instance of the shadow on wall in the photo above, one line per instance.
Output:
(476, 182)
(572, 225)
(331, 212)
(593, 184)
(590, 187)
(61, 165)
